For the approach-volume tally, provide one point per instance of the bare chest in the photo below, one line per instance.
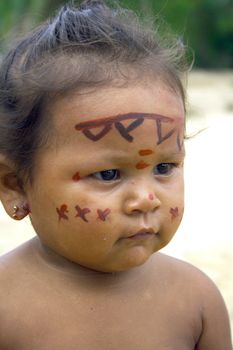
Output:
(106, 322)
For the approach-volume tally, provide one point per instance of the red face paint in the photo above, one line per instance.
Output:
(102, 214)
(145, 152)
(174, 212)
(117, 121)
(76, 177)
(82, 212)
(62, 212)
(151, 196)
(142, 165)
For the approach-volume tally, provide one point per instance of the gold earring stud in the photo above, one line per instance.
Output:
(16, 209)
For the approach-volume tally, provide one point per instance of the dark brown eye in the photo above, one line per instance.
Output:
(107, 175)
(164, 169)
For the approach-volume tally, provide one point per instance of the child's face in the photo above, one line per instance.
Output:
(109, 191)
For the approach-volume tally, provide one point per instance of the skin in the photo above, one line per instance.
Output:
(83, 283)
(131, 210)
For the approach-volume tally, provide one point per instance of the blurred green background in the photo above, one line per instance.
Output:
(205, 25)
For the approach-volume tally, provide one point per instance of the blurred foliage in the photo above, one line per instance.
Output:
(205, 25)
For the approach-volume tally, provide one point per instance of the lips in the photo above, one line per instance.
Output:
(143, 234)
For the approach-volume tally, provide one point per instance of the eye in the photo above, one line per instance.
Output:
(164, 169)
(107, 175)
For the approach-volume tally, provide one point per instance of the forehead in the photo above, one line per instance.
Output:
(92, 115)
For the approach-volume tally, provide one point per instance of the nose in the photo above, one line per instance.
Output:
(140, 200)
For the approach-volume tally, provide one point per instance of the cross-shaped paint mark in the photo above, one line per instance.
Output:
(102, 214)
(82, 212)
(62, 212)
(174, 212)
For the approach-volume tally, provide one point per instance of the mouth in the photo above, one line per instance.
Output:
(143, 234)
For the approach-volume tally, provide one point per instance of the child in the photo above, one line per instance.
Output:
(91, 142)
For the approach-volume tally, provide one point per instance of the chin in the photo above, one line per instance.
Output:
(132, 261)
(123, 266)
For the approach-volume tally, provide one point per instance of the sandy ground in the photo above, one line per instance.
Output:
(205, 237)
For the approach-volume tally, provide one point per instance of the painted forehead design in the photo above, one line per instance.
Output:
(137, 120)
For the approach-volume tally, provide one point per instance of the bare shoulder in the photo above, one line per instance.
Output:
(12, 262)
(185, 273)
(196, 287)
(22, 270)
(186, 280)
(16, 271)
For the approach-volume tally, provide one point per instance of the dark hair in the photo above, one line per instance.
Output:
(92, 45)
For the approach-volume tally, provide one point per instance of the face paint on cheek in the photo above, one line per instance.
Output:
(142, 165)
(62, 212)
(81, 213)
(145, 152)
(102, 214)
(174, 213)
(76, 177)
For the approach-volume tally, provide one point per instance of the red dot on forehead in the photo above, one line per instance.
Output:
(142, 165)
(145, 152)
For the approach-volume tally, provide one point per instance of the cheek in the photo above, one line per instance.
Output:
(83, 214)
(174, 213)
(175, 205)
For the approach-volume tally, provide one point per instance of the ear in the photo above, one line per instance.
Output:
(12, 194)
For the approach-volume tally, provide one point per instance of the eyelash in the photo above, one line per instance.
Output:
(114, 174)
